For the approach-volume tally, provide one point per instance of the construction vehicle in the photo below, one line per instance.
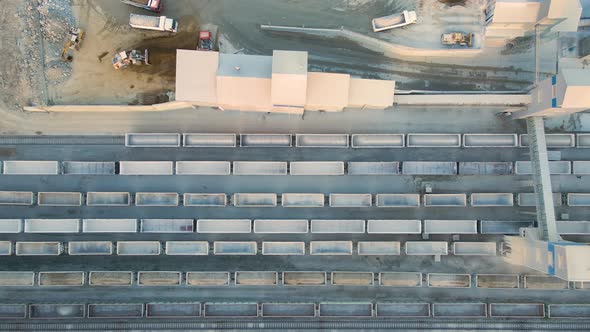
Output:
(74, 42)
(394, 21)
(124, 59)
(457, 39)
(151, 5)
(205, 41)
(157, 23)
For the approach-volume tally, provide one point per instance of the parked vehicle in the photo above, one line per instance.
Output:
(205, 41)
(457, 38)
(394, 21)
(157, 23)
(124, 59)
(151, 5)
(76, 36)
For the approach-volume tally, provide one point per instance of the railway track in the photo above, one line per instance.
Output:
(274, 324)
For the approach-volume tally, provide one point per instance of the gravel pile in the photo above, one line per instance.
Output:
(30, 51)
(44, 30)
(56, 20)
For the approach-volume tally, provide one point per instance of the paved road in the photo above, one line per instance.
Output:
(239, 23)
(204, 119)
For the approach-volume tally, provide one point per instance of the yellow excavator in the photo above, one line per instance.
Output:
(73, 43)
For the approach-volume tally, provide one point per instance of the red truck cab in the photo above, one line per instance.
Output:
(151, 5)
(205, 41)
(156, 5)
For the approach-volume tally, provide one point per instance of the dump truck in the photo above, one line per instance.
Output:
(394, 21)
(457, 39)
(157, 23)
(151, 5)
(205, 41)
(74, 42)
(124, 59)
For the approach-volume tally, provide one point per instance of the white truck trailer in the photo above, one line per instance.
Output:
(157, 23)
(394, 21)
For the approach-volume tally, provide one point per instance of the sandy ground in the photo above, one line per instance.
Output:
(93, 80)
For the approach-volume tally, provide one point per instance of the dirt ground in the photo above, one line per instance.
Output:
(34, 31)
(90, 78)
(21, 77)
(95, 81)
(434, 17)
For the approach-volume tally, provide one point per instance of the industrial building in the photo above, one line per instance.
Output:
(278, 83)
(565, 93)
(442, 213)
(516, 18)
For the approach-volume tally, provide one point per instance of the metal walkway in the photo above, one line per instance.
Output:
(542, 179)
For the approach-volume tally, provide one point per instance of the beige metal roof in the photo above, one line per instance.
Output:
(289, 62)
(543, 94)
(516, 12)
(371, 93)
(196, 73)
(571, 261)
(280, 83)
(289, 78)
(244, 93)
(289, 90)
(327, 91)
(576, 77)
(577, 97)
(243, 65)
(571, 10)
(573, 88)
